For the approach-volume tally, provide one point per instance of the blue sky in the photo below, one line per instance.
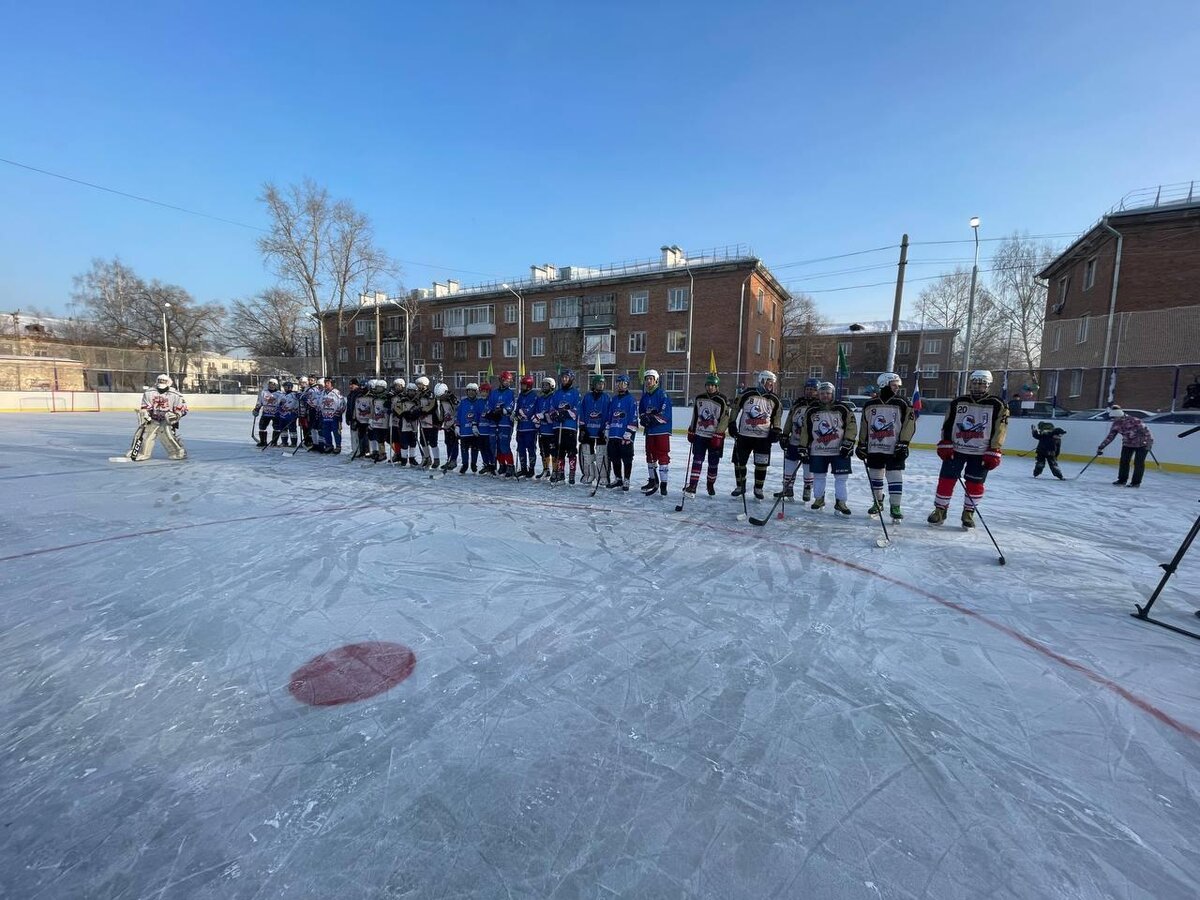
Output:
(484, 136)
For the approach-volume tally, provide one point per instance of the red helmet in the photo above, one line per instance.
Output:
(485, 388)
(527, 381)
(506, 375)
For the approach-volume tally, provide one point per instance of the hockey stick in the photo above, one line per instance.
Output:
(602, 465)
(687, 473)
(885, 541)
(763, 521)
(1190, 431)
(975, 507)
(1085, 468)
(135, 446)
(254, 429)
(1157, 464)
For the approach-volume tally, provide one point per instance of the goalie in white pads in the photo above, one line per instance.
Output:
(162, 408)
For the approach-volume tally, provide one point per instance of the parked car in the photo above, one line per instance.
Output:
(1041, 409)
(1181, 417)
(1101, 415)
(935, 406)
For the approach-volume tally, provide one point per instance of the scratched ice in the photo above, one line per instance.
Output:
(609, 699)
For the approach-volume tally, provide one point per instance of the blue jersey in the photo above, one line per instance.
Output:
(466, 417)
(526, 407)
(622, 417)
(483, 425)
(503, 399)
(593, 412)
(654, 411)
(542, 411)
(566, 408)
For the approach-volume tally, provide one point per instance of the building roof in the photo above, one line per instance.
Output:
(879, 326)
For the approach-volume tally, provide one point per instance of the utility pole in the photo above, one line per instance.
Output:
(891, 356)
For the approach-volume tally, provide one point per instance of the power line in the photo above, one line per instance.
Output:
(805, 262)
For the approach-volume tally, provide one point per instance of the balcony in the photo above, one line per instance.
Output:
(600, 319)
(607, 358)
(559, 322)
(475, 329)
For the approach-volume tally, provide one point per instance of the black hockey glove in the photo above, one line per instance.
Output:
(846, 449)
(901, 452)
(860, 450)
(774, 435)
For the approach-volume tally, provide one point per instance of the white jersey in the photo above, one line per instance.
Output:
(268, 402)
(972, 428)
(882, 421)
(159, 404)
(709, 413)
(380, 407)
(756, 415)
(828, 432)
(362, 409)
(289, 404)
(332, 404)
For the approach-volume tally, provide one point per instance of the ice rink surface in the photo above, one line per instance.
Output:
(609, 698)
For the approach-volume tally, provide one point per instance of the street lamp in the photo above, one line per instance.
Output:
(962, 379)
(520, 330)
(166, 349)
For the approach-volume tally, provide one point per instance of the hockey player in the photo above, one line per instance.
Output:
(311, 402)
(1136, 442)
(565, 412)
(545, 423)
(408, 411)
(266, 410)
(593, 414)
(710, 419)
(395, 402)
(358, 417)
(808, 399)
(380, 412)
(333, 404)
(972, 445)
(289, 412)
(527, 430)
(887, 426)
(754, 425)
(162, 408)
(427, 424)
(485, 428)
(468, 434)
(827, 440)
(1049, 445)
(501, 405)
(654, 415)
(621, 428)
(448, 413)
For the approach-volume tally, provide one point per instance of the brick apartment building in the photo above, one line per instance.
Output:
(865, 345)
(646, 313)
(1123, 305)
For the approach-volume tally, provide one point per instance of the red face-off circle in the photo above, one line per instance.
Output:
(350, 673)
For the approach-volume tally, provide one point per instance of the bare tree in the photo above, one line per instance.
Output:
(944, 304)
(122, 309)
(804, 342)
(324, 250)
(1021, 298)
(271, 323)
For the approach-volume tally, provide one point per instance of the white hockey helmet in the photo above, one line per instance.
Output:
(398, 384)
(303, 381)
(980, 383)
(549, 384)
(825, 387)
(273, 383)
(422, 383)
(472, 386)
(439, 390)
(650, 373)
(887, 378)
(162, 382)
(765, 377)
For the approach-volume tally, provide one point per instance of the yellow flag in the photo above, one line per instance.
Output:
(491, 374)
(712, 362)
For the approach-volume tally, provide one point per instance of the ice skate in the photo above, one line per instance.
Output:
(840, 506)
(819, 503)
(807, 495)
(897, 514)
(787, 494)
(968, 518)
(738, 491)
(937, 517)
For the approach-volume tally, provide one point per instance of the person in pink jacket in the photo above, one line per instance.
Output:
(1136, 441)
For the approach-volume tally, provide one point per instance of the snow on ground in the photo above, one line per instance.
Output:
(610, 699)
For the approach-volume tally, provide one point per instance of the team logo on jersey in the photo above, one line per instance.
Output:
(618, 415)
(826, 433)
(882, 427)
(758, 414)
(970, 430)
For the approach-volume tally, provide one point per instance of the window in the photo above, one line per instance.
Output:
(639, 303)
(903, 348)
(360, 353)
(773, 305)
(762, 299)
(460, 379)
(460, 351)
(342, 330)
(391, 349)
(481, 315)
(1089, 273)
(674, 381)
(815, 371)
(902, 371)
(677, 299)
(677, 341)
(637, 342)
(481, 377)
(1057, 337)
(758, 342)
(485, 348)
(844, 348)
(772, 353)
(1076, 382)
(537, 311)
(929, 370)
(343, 354)
(435, 350)
(565, 307)
(564, 346)
(437, 321)
(1064, 285)
(537, 346)
(510, 314)
(1081, 335)
(364, 327)
(510, 348)
(933, 345)
(393, 323)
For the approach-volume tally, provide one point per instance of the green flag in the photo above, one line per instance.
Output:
(843, 366)
(491, 373)
(642, 372)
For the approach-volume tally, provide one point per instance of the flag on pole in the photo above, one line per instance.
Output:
(916, 397)
(596, 370)
(522, 368)
(712, 363)
(1112, 385)
(843, 366)
(491, 373)
(1004, 387)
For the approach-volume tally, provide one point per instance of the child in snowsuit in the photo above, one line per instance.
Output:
(1049, 445)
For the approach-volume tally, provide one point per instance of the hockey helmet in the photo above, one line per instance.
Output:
(979, 384)
(548, 384)
(766, 377)
(651, 374)
(567, 377)
(506, 377)
(713, 379)
(439, 390)
(597, 382)
(422, 383)
(485, 388)
(825, 391)
(527, 381)
(397, 384)
(472, 388)
(162, 382)
(273, 384)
